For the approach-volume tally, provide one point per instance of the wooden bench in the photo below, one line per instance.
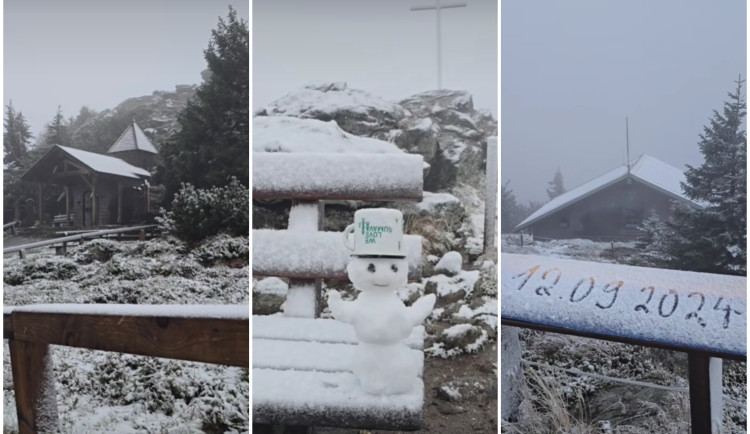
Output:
(61, 220)
(301, 373)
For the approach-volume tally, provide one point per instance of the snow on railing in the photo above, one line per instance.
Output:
(322, 176)
(216, 334)
(702, 314)
(76, 237)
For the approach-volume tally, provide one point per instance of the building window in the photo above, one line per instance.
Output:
(564, 222)
(631, 218)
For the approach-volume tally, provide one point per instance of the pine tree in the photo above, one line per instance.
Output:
(16, 136)
(556, 187)
(713, 238)
(57, 132)
(213, 144)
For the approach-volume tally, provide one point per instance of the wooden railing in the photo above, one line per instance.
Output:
(217, 334)
(703, 315)
(73, 238)
(12, 226)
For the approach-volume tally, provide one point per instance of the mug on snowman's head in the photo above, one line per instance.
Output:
(376, 232)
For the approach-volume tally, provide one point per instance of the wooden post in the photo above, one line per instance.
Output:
(700, 393)
(34, 385)
(490, 203)
(119, 202)
(67, 205)
(306, 292)
(94, 216)
(39, 203)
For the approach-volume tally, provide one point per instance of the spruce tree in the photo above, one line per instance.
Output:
(556, 187)
(57, 132)
(713, 238)
(212, 145)
(16, 136)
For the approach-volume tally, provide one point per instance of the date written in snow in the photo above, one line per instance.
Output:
(663, 303)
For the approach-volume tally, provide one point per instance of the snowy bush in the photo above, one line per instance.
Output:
(197, 214)
(222, 248)
(41, 268)
(100, 250)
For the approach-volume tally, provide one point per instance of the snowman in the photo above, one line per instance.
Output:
(382, 363)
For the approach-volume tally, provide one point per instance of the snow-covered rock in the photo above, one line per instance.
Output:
(355, 111)
(450, 263)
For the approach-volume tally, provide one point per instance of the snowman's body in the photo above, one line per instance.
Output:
(382, 363)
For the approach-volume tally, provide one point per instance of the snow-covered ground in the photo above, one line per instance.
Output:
(111, 392)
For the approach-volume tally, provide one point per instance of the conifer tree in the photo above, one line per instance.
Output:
(213, 144)
(16, 136)
(713, 238)
(556, 187)
(57, 131)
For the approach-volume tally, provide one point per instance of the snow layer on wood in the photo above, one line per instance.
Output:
(303, 217)
(240, 311)
(330, 98)
(314, 254)
(646, 169)
(329, 399)
(290, 134)
(338, 176)
(317, 330)
(693, 310)
(132, 138)
(105, 164)
(311, 356)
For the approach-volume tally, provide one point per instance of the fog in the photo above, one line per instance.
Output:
(572, 72)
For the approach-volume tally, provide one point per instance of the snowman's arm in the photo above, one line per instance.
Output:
(421, 309)
(341, 310)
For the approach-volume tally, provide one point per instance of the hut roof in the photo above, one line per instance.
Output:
(645, 169)
(98, 163)
(132, 138)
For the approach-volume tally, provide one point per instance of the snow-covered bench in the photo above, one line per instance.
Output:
(301, 374)
(704, 315)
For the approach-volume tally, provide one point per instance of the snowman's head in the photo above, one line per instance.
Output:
(378, 274)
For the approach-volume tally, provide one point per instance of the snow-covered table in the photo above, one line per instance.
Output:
(301, 376)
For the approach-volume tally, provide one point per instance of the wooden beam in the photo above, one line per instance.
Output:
(279, 175)
(67, 205)
(208, 340)
(700, 393)
(34, 385)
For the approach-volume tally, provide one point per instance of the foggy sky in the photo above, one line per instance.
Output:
(572, 71)
(378, 46)
(99, 53)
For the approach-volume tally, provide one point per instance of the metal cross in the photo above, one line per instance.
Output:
(438, 6)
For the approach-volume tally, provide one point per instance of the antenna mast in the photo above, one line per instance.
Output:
(627, 144)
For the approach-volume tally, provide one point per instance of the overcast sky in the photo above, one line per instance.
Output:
(572, 71)
(98, 53)
(378, 46)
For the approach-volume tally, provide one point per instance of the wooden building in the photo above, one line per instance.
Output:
(611, 206)
(98, 190)
(134, 147)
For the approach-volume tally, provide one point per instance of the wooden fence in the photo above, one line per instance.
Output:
(80, 237)
(217, 334)
(701, 314)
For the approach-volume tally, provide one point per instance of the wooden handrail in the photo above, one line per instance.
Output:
(11, 224)
(201, 333)
(77, 237)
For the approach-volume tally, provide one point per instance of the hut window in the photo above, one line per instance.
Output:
(564, 222)
(631, 218)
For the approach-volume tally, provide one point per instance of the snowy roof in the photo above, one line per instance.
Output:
(132, 138)
(96, 162)
(646, 169)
